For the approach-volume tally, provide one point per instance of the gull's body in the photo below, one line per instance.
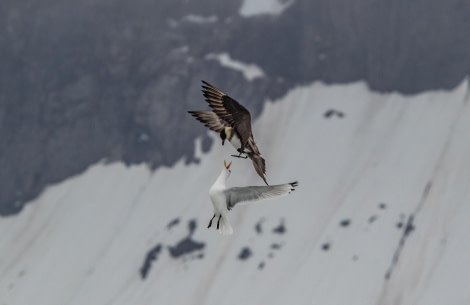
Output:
(233, 122)
(224, 199)
(216, 193)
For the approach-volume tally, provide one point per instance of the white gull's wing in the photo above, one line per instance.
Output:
(236, 195)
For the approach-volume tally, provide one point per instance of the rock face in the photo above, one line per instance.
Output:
(91, 80)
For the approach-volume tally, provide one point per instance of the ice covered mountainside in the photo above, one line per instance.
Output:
(83, 81)
(380, 216)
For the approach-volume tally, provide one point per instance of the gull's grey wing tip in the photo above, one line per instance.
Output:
(294, 185)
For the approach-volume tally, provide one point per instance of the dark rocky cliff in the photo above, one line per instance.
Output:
(83, 81)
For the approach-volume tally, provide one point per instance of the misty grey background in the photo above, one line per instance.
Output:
(83, 81)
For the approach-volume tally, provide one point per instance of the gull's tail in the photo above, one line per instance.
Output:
(224, 227)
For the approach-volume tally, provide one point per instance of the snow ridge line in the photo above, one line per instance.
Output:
(409, 227)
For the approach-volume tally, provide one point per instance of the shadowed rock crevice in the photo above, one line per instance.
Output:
(186, 245)
(152, 256)
(185, 248)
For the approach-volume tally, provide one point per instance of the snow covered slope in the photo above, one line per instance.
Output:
(252, 8)
(379, 217)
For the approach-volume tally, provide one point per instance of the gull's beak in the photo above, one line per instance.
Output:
(227, 166)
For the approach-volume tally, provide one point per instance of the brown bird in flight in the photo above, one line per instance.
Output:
(233, 122)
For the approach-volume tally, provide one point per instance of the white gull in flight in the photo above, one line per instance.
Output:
(224, 199)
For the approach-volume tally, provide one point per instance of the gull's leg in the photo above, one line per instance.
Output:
(218, 221)
(210, 222)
